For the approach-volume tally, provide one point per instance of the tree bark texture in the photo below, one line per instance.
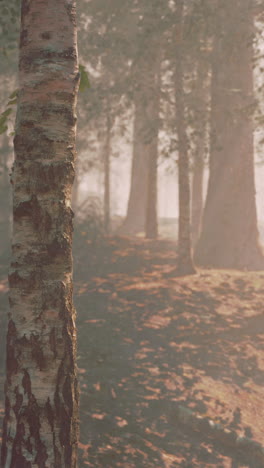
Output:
(145, 139)
(151, 227)
(41, 421)
(5, 235)
(5, 198)
(107, 172)
(197, 192)
(200, 143)
(229, 237)
(185, 263)
(75, 191)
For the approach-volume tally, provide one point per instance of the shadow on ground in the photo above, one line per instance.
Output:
(148, 344)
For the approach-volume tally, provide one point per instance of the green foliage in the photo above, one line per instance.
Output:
(8, 112)
(84, 79)
(9, 25)
(89, 225)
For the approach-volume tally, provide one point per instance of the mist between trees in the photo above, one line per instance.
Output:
(167, 154)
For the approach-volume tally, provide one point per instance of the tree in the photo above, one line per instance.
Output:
(135, 219)
(197, 56)
(185, 263)
(229, 237)
(142, 203)
(5, 199)
(40, 423)
(107, 166)
(151, 224)
(200, 143)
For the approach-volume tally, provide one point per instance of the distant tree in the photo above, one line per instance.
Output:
(229, 237)
(151, 226)
(40, 423)
(200, 139)
(142, 204)
(197, 68)
(107, 172)
(185, 262)
(102, 38)
(122, 44)
(135, 220)
(145, 87)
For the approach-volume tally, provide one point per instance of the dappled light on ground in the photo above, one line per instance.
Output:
(149, 343)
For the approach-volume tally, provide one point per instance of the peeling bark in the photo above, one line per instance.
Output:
(41, 421)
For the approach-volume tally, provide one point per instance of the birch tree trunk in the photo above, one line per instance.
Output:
(40, 423)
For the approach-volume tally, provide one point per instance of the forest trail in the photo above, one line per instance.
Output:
(149, 342)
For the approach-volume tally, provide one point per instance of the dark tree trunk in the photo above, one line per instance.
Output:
(137, 203)
(5, 237)
(200, 143)
(144, 151)
(197, 192)
(107, 155)
(5, 199)
(151, 228)
(185, 263)
(229, 237)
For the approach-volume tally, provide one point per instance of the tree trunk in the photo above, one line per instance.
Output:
(229, 237)
(151, 227)
(185, 263)
(106, 155)
(75, 191)
(200, 142)
(5, 200)
(5, 237)
(137, 203)
(144, 140)
(41, 420)
(197, 191)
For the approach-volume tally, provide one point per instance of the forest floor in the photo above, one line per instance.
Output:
(149, 342)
